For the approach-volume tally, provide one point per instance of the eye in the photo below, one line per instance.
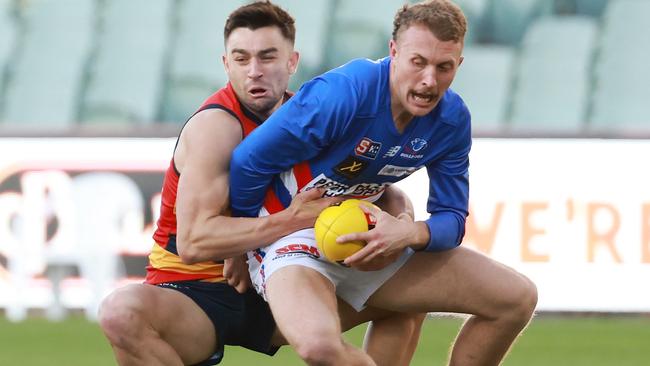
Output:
(418, 62)
(446, 67)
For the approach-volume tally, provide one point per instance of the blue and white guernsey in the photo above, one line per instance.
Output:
(338, 132)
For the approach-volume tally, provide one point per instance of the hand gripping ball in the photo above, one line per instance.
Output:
(334, 221)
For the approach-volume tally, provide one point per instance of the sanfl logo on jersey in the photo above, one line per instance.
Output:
(411, 150)
(418, 144)
(367, 148)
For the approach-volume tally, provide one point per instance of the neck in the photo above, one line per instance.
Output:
(401, 117)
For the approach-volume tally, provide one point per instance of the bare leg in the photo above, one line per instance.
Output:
(392, 341)
(462, 280)
(305, 309)
(149, 325)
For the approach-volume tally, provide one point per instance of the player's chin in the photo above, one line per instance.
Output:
(262, 106)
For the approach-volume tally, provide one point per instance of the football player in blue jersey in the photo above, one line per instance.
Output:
(354, 131)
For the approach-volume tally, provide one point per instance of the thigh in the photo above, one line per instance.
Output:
(302, 302)
(459, 280)
(238, 319)
(174, 316)
(296, 249)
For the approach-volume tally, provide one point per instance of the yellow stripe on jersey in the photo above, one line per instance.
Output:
(161, 259)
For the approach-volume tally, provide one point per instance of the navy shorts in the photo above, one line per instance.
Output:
(239, 319)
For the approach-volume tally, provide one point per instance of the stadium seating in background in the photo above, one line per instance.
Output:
(593, 8)
(621, 99)
(312, 26)
(7, 41)
(553, 75)
(48, 68)
(126, 75)
(484, 83)
(360, 29)
(476, 13)
(507, 20)
(196, 68)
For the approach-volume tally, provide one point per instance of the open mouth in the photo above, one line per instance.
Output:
(423, 98)
(257, 92)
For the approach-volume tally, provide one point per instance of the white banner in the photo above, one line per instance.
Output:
(76, 218)
(573, 215)
(74, 213)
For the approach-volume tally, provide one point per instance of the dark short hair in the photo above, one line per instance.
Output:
(259, 15)
(443, 18)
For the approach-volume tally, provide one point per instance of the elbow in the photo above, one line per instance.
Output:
(187, 249)
(194, 250)
(188, 255)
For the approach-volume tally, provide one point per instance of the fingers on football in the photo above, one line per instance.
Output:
(358, 256)
(373, 210)
(363, 236)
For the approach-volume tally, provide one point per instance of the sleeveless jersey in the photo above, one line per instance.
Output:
(338, 132)
(165, 265)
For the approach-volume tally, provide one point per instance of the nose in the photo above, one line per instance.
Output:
(255, 69)
(429, 77)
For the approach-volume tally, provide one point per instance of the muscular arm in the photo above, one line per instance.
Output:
(396, 202)
(204, 229)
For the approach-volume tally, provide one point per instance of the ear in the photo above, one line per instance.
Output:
(226, 66)
(460, 61)
(392, 48)
(293, 62)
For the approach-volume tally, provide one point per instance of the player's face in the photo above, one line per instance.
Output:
(422, 68)
(259, 63)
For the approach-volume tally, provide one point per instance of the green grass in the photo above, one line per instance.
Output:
(550, 340)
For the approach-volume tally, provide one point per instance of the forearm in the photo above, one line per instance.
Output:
(220, 237)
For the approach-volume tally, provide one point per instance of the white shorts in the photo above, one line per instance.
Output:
(352, 286)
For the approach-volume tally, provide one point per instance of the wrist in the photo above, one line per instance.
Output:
(420, 236)
(283, 223)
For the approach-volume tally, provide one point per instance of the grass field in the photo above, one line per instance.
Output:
(550, 340)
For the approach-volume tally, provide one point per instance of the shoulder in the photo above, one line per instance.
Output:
(208, 131)
(213, 121)
(360, 81)
(361, 72)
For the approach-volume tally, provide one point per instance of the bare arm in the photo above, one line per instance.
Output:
(396, 202)
(204, 231)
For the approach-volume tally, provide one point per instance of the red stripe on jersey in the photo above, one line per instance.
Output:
(302, 172)
(271, 202)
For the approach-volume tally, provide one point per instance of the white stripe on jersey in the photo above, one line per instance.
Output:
(290, 182)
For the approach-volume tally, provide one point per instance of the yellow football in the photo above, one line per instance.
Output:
(334, 221)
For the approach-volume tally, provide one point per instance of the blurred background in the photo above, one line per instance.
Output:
(93, 93)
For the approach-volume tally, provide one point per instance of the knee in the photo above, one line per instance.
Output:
(121, 317)
(523, 299)
(320, 350)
